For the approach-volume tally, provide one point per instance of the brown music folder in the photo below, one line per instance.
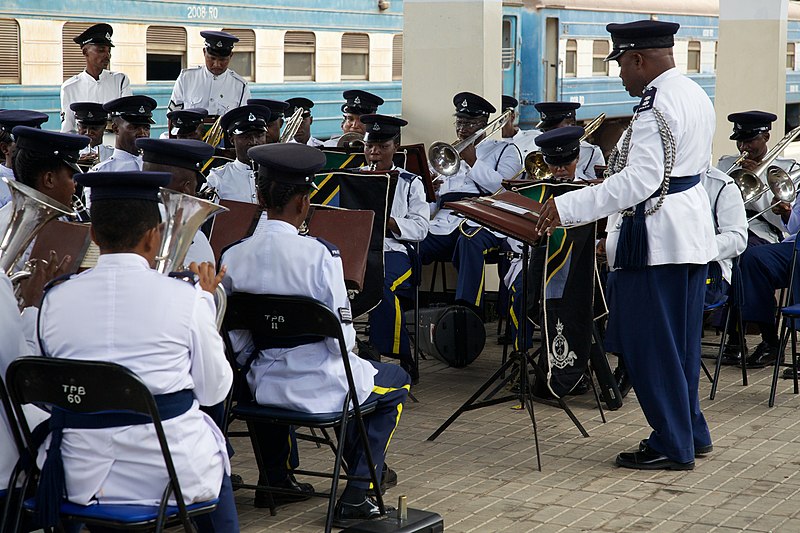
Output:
(417, 163)
(507, 212)
(65, 238)
(233, 225)
(350, 231)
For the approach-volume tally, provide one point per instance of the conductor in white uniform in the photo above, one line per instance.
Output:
(95, 83)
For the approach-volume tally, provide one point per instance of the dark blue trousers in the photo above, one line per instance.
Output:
(470, 261)
(517, 314)
(438, 247)
(765, 269)
(387, 326)
(655, 320)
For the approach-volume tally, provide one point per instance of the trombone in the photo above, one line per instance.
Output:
(783, 187)
(749, 182)
(292, 125)
(446, 159)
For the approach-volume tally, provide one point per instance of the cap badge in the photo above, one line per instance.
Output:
(108, 36)
(179, 121)
(251, 118)
(141, 109)
(464, 104)
(376, 127)
(357, 100)
(559, 148)
(89, 115)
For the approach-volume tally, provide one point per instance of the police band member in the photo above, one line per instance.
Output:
(213, 86)
(484, 165)
(131, 117)
(357, 103)
(95, 83)
(560, 114)
(182, 159)
(276, 260)
(89, 317)
(524, 140)
(92, 120)
(187, 123)
(303, 135)
(751, 133)
(277, 108)
(407, 224)
(9, 118)
(247, 127)
(659, 249)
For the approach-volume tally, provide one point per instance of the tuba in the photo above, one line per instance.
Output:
(31, 211)
(292, 125)
(185, 215)
(749, 182)
(446, 159)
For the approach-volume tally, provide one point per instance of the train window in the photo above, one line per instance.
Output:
(571, 59)
(600, 49)
(166, 52)
(790, 56)
(244, 52)
(355, 56)
(9, 52)
(716, 51)
(397, 57)
(71, 54)
(693, 57)
(508, 51)
(299, 49)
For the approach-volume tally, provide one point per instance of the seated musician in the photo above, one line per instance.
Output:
(131, 117)
(407, 224)
(310, 377)
(174, 348)
(303, 135)
(186, 123)
(524, 140)
(357, 103)
(91, 120)
(247, 127)
(8, 119)
(277, 109)
(560, 114)
(484, 165)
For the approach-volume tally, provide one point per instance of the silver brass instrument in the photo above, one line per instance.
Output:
(185, 215)
(744, 155)
(292, 125)
(31, 211)
(749, 182)
(352, 140)
(446, 159)
(783, 186)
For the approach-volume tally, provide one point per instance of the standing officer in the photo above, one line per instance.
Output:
(277, 109)
(131, 117)
(92, 119)
(408, 223)
(524, 140)
(357, 103)
(187, 123)
(213, 86)
(559, 114)
(9, 118)
(247, 127)
(95, 83)
(659, 249)
(303, 135)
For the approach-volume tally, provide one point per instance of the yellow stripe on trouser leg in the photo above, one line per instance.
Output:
(398, 322)
(514, 321)
(386, 390)
(483, 275)
(396, 423)
(289, 455)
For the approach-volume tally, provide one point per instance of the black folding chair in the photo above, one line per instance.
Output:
(87, 388)
(12, 496)
(789, 315)
(270, 318)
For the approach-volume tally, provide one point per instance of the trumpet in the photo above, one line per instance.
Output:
(292, 125)
(446, 159)
(351, 140)
(749, 182)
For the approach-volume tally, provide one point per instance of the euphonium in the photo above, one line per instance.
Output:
(184, 216)
(446, 159)
(31, 211)
(351, 140)
(292, 125)
(749, 182)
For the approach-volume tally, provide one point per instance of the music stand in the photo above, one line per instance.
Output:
(524, 230)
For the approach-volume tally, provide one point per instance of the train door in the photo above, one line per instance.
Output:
(550, 60)
(510, 51)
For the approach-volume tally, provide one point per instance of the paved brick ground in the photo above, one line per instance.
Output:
(481, 474)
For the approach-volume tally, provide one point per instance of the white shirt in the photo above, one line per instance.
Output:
(730, 220)
(84, 88)
(682, 230)
(200, 250)
(198, 87)
(120, 161)
(234, 181)
(768, 226)
(163, 330)
(590, 155)
(310, 378)
(496, 161)
(5, 191)
(525, 141)
(410, 210)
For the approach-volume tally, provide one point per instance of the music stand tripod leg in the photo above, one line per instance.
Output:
(525, 388)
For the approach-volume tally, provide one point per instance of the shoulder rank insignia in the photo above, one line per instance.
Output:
(186, 275)
(648, 99)
(330, 246)
(345, 315)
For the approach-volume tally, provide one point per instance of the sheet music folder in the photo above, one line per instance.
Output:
(507, 212)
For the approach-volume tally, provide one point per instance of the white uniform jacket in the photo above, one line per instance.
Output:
(163, 330)
(200, 250)
(198, 87)
(311, 378)
(5, 191)
(234, 181)
(409, 210)
(590, 156)
(120, 161)
(768, 226)
(525, 141)
(496, 161)
(682, 230)
(84, 88)
(730, 222)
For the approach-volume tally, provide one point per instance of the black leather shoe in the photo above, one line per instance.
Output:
(236, 479)
(348, 514)
(788, 374)
(388, 480)
(649, 459)
(699, 451)
(764, 354)
(623, 381)
(300, 492)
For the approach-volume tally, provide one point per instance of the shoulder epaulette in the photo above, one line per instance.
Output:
(58, 280)
(330, 246)
(648, 100)
(406, 175)
(186, 275)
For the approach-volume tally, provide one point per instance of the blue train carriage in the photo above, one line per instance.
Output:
(555, 50)
(287, 48)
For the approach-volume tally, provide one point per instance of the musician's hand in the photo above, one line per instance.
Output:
(784, 209)
(749, 164)
(209, 278)
(600, 249)
(393, 227)
(468, 155)
(42, 271)
(549, 218)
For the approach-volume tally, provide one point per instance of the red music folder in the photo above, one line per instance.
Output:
(233, 225)
(507, 212)
(350, 231)
(65, 238)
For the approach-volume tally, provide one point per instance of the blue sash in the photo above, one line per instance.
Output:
(52, 485)
(632, 245)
